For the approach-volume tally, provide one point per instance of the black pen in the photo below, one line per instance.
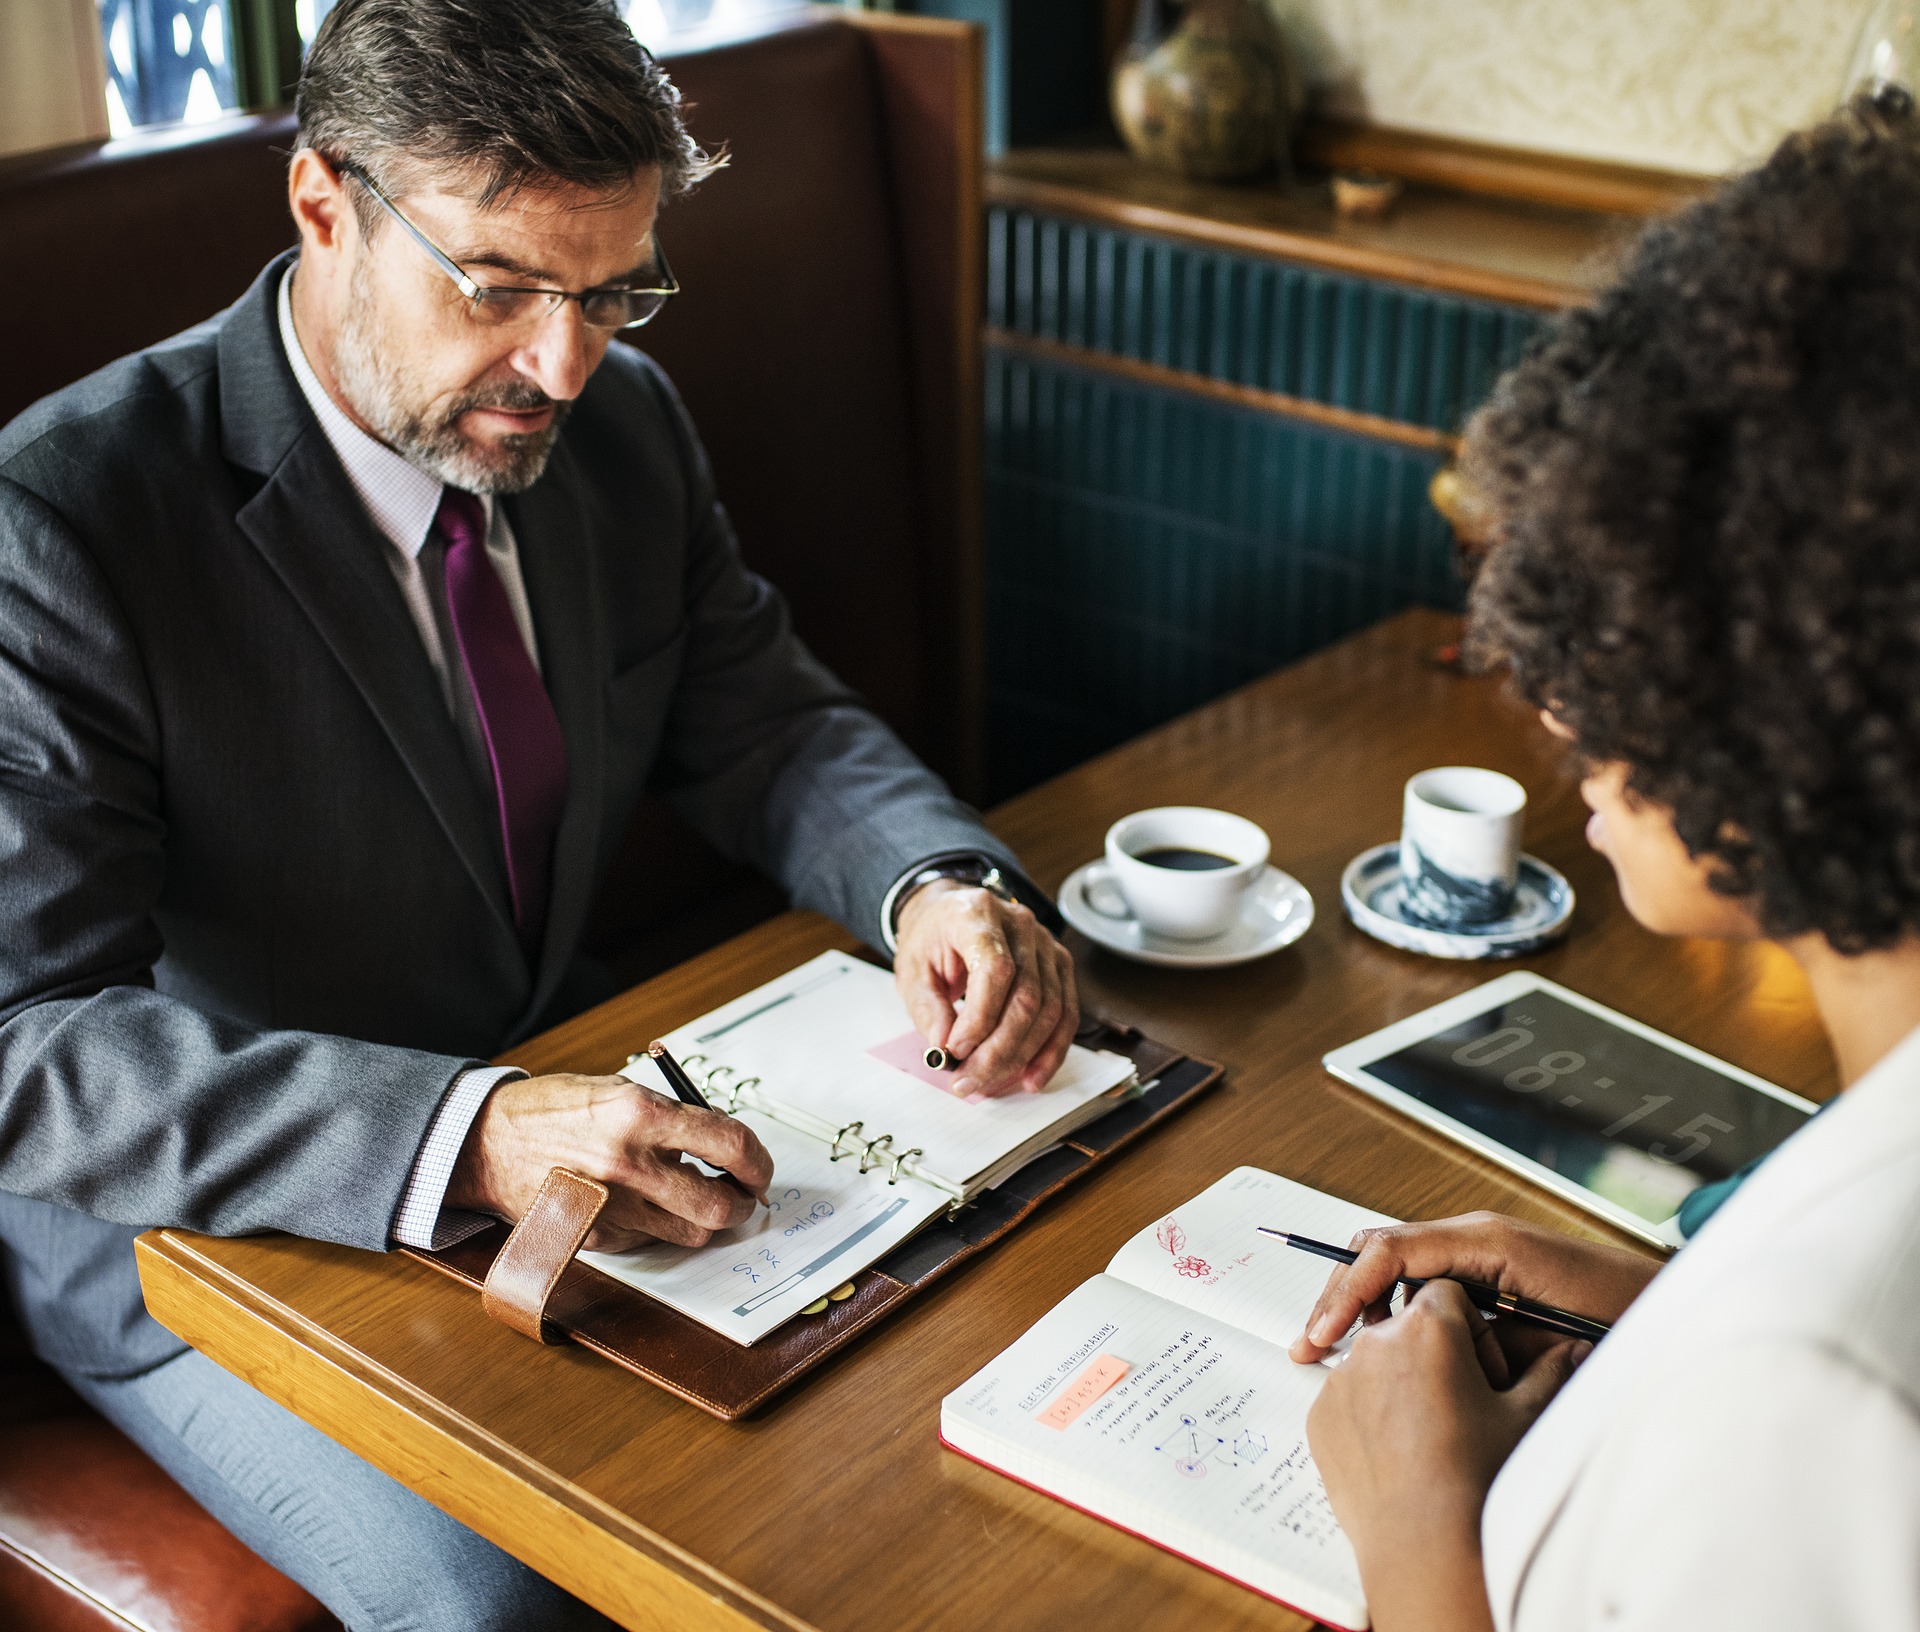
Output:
(685, 1091)
(1487, 1298)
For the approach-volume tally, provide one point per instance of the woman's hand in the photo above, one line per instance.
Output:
(1408, 1433)
(1581, 1277)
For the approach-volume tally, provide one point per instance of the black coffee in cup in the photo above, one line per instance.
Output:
(1182, 860)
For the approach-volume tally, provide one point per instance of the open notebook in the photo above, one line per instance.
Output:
(824, 1066)
(1160, 1398)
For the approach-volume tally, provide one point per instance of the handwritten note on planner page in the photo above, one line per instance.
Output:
(795, 1061)
(823, 1223)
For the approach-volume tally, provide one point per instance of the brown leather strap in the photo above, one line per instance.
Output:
(539, 1249)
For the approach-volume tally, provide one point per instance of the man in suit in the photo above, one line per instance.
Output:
(338, 638)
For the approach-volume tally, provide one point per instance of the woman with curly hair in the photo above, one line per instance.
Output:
(1708, 579)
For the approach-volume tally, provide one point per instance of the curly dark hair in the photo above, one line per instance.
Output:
(1707, 499)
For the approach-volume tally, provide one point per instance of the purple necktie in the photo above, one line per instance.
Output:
(517, 722)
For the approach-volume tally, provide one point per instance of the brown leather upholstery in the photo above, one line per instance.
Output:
(95, 1538)
(93, 1535)
(826, 347)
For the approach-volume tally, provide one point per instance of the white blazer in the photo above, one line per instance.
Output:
(1743, 1450)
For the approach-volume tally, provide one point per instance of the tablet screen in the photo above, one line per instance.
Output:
(1605, 1107)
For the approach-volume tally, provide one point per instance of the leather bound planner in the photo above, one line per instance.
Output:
(729, 1379)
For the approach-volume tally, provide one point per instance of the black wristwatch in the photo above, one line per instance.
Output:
(982, 872)
(979, 872)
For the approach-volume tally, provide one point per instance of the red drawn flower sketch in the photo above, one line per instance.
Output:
(1171, 1236)
(1195, 1268)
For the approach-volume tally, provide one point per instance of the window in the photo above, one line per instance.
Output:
(306, 18)
(656, 22)
(188, 60)
(167, 60)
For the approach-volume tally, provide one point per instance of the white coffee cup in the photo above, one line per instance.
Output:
(1154, 874)
(1460, 845)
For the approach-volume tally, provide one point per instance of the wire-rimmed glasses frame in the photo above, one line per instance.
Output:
(495, 304)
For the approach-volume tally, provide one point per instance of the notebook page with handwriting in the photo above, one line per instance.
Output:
(1209, 1255)
(1171, 1425)
(823, 1222)
(805, 1037)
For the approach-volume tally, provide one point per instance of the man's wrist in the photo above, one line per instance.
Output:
(922, 892)
(966, 869)
(433, 1190)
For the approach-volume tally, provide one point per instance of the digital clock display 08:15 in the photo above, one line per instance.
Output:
(1610, 1110)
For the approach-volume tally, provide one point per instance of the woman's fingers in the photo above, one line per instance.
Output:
(1473, 1247)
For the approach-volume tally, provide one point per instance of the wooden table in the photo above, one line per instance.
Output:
(837, 1508)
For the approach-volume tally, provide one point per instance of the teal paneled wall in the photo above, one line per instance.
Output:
(1149, 550)
(1044, 76)
(1379, 348)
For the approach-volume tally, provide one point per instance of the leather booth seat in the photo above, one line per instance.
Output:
(826, 345)
(94, 1535)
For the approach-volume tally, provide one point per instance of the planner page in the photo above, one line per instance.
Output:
(1171, 1425)
(1209, 1255)
(806, 1038)
(822, 1224)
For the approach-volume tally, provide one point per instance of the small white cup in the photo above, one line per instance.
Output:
(1460, 845)
(1194, 902)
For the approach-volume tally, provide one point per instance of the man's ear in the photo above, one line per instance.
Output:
(317, 196)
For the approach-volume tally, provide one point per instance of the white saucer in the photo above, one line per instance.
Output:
(1375, 895)
(1275, 912)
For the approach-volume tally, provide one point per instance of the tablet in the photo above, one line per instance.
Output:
(1598, 1108)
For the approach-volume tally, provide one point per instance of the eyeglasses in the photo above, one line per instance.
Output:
(496, 305)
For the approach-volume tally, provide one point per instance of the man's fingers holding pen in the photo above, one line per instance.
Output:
(987, 945)
(1039, 1020)
(1053, 1052)
(995, 1047)
(984, 979)
(626, 1136)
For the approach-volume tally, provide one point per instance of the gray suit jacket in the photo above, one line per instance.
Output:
(253, 912)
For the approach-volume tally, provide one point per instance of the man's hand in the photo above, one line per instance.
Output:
(1582, 1277)
(629, 1138)
(1408, 1433)
(985, 981)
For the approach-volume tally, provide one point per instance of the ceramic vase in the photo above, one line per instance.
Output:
(1204, 96)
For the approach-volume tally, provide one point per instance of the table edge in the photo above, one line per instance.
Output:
(646, 1581)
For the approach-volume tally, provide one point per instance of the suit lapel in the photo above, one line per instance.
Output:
(311, 528)
(551, 528)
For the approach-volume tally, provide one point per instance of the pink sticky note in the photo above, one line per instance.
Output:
(909, 1054)
(1100, 1376)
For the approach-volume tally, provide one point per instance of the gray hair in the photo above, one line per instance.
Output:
(516, 93)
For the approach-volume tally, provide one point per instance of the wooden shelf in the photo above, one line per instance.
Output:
(1501, 172)
(1525, 253)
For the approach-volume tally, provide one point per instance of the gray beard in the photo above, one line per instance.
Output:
(380, 392)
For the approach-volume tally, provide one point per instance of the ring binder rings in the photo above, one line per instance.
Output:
(749, 1094)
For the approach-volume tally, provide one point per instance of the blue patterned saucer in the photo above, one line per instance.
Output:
(1375, 894)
